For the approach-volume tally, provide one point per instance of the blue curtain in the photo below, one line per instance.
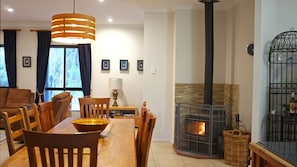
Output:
(10, 56)
(85, 67)
(44, 44)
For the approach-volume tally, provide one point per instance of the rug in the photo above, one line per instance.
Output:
(2, 137)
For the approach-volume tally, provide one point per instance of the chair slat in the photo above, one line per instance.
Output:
(61, 156)
(70, 158)
(51, 153)
(42, 155)
(94, 107)
(32, 117)
(46, 114)
(14, 126)
(79, 155)
(64, 143)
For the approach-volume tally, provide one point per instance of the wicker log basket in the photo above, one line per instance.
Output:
(236, 147)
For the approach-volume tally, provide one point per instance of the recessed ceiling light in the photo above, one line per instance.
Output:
(10, 9)
(101, 0)
(110, 20)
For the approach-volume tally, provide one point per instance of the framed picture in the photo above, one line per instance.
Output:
(124, 65)
(26, 61)
(105, 64)
(140, 65)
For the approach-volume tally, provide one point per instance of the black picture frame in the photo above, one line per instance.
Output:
(105, 64)
(26, 61)
(140, 65)
(124, 65)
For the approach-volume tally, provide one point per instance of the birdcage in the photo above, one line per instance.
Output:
(282, 67)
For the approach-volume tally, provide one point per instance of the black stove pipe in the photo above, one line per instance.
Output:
(208, 77)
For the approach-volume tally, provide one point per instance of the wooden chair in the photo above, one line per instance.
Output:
(139, 121)
(61, 149)
(46, 115)
(146, 137)
(32, 117)
(94, 107)
(14, 126)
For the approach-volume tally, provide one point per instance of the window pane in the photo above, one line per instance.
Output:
(55, 70)
(75, 102)
(3, 73)
(73, 79)
(49, 94)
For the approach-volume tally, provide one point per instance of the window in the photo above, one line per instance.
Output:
(3, 72)
(63, 74)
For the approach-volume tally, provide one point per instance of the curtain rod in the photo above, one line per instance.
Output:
(34, 30)
(10, 29)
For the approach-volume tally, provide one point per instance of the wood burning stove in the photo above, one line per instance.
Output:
(199, 129)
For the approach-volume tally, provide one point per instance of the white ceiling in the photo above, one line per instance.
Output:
(122, 11)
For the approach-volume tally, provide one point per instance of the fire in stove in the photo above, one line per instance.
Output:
(196, 128)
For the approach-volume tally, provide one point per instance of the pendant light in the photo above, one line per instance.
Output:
(73, 28)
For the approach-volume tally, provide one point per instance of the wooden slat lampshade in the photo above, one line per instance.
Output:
(73, 28)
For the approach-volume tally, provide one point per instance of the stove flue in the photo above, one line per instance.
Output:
(208, 77)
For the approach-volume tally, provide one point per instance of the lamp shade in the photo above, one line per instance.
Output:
(73, 28)
(115, 83)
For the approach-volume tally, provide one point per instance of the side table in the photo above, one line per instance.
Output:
(123, 111)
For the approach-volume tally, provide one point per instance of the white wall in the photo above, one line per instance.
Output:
(26, 46)
(116, 43)
(241, 71)
(219, 75)
(285, 14)
(158, 85)
(190, 46)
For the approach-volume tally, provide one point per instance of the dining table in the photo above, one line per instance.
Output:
(116, 144)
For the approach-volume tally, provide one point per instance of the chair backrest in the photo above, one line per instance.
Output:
(62, 149)
(32, 117)
(145, 142)
(139, 122)
(15, 133)
(46, 115)
(94, 107)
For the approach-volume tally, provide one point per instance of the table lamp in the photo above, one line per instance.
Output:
(115, 84)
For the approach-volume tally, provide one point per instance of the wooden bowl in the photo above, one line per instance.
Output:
(90, 124)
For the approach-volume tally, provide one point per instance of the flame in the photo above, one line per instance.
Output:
(201, 128)
(196, 128)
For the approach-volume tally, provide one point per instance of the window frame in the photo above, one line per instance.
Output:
(64, 88)
(64, 74)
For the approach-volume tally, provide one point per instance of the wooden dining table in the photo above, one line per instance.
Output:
(116, 146)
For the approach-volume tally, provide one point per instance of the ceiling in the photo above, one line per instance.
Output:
(122, 11)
